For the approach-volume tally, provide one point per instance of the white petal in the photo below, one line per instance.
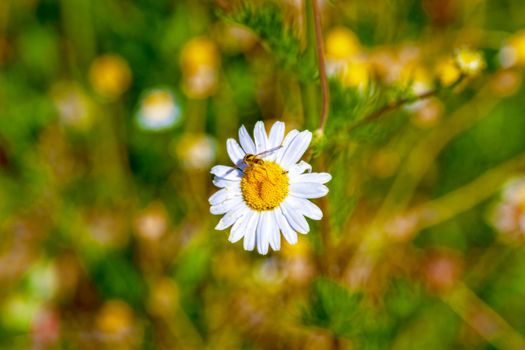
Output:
(226, 172)
(276, 135)
(239, 228)
(299, 168)
(218, 197)
(294, 218)
(225, 206)
(275, 139)
(306, 208)
(234, 151)
(287, 140)
(250, 231)
(232, 216)
(261, 140)
(289, 234)
(246, 141)
(220, 182)
(308, 190)
(223, 194)
(275, 236)
(296, 149)
(264, 231)
(319, 178)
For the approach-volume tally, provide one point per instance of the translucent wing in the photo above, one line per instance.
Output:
(268, 151)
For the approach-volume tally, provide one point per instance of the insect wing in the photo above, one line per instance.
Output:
(268, 151)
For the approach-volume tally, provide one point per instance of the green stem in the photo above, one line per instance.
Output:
(483, 319)
(308, 87)
(399, 103)
(321, 63)
(466, 197)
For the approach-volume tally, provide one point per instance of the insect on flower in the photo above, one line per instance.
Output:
(266, 191)
(257, 164)
(253, 159)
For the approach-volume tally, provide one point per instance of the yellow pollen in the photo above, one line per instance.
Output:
(264, 186)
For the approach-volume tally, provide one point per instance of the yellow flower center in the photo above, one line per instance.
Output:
(264, 186)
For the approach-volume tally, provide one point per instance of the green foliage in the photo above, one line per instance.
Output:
(350, 314)
(347, 105)
(118, 278)
(268, 22)
(191, 271)
(479, 143)
(333, 307)
(505, 287)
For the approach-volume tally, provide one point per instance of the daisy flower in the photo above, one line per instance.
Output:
(470, 62)
(159, 110)
(266, 192)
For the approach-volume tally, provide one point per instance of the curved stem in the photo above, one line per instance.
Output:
(483, 319)
(468, 196)
(399, 103)
(321, 62)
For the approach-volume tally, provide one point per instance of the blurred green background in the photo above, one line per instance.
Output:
(112, 112)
